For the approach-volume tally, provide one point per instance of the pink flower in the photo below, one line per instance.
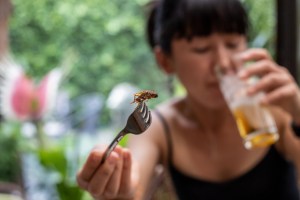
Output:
(21, 98)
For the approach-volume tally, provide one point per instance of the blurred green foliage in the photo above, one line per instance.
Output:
(10, 154)
(262, 16)
(55, 160)
(105, 39)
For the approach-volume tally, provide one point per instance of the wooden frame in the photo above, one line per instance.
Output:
(287, 53)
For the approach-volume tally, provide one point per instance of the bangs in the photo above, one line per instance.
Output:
(192, 18)
(201, 18)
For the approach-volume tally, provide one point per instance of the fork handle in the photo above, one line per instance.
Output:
(112, 146)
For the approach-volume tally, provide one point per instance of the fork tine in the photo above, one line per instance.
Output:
(145, 110)
(143, 105)
(148, 118)
(140, 106)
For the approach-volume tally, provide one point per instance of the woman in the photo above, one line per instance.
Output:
(195, 137)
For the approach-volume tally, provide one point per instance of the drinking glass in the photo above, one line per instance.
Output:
(255, 122)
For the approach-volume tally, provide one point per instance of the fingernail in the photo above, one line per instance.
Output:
(250, 91)
(242, 74)
(126, 153)
(264, 101)
(112, 159)
(96, 156)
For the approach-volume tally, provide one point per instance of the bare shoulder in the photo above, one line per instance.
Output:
(153, 141)
(148, 148)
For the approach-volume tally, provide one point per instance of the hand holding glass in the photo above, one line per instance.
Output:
(254, 121)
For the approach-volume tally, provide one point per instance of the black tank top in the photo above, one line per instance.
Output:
(273, 178)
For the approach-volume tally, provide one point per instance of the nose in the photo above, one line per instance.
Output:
(223, 59)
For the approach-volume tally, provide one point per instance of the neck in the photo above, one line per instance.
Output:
(209, 119)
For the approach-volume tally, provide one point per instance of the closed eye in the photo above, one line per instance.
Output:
(200, 49)
(232, 45)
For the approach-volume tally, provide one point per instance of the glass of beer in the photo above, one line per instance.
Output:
(254, 120)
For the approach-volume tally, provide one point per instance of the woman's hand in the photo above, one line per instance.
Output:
(114, 179)
(277, 83)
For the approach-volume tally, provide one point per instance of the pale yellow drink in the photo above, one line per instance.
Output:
(254, 121)
(256, 125)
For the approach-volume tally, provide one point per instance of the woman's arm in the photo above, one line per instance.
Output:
(147, 151)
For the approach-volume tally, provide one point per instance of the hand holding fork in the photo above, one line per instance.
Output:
(105, 178)
(137, 123)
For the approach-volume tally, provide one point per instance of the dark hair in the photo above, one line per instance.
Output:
(171, 19)
(151, 9)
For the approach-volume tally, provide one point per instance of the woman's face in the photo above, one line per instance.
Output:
(194, 63)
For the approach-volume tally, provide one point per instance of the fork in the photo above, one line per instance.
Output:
(138, 122)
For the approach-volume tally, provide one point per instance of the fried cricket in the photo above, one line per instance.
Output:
(144, 95)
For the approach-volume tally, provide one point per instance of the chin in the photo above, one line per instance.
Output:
(215, 101)
(216, 104)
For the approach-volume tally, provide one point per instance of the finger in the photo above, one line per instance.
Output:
(254, 54)
(101, 177)
(89, 167)
(259, 68)
(277, 96)
(113, 184)
(269, 83)
(81, 182)
(126, 184)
